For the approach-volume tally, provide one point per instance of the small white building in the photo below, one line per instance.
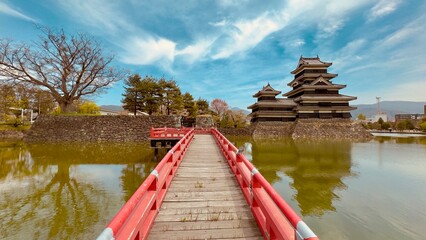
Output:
(376, 117)
(138, 113)
(105, 111)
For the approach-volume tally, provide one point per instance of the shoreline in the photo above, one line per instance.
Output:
(398, 134)
(397, 131)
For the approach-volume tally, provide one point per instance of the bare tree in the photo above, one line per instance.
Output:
(69, 67)
(219, 106)
(238, 118)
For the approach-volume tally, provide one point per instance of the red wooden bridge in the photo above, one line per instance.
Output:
(205, 189)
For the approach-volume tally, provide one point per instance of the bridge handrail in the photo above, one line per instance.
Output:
(135, 218)
(276, 219)
(168, 132)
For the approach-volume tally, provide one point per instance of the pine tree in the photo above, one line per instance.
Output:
(202, 106)
(171, 97)
(189, 104)
(132, 97)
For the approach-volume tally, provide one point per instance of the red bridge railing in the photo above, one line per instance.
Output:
(136, 217)
(168, 132)
(276, 219)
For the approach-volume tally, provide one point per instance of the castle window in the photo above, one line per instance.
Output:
(324, 104)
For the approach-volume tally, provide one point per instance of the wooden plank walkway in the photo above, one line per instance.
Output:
(204, 200)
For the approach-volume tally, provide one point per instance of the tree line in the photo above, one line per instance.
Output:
(19, 96)
(159, 96)
(405, 124)
(15, 97)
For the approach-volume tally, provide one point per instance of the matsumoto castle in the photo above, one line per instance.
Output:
(313, 96)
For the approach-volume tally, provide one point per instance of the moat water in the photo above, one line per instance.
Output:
(343, 190)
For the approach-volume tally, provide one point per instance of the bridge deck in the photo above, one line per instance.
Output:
(204, 200)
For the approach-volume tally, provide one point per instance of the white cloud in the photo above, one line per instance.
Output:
(222, 23)
(231, 3)
(292, 46)
(362, 67)
(332, 17)
(383, 8)
(339, 7)
(328, 15)
(6, 9)
(297, 43)
(329, 28)
(248, 33)
(139, 47)
(345, 57)
(99, 14)
(141, 51)
(296, 7)
(389, 60)
(353, 46)
(399, 36)
(196, 51)
(407, 37)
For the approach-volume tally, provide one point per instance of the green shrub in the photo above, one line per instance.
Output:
(89, 108)
(423, 126)
(385, 126)
(361, 116)
(402, 125)
(405, 125)
(376, 126)
(410, 125)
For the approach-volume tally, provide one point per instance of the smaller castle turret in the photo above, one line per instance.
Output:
(270, 108)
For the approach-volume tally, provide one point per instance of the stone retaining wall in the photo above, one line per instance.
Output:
(303, 128)
(330, 129)
(97, 128)
(246, 131)
(11, 135)
(136, 128)
(204, 121)
(273, 129)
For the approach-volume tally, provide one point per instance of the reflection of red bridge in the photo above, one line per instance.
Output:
(204, 188)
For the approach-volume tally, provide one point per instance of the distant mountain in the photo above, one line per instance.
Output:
(112, 107)
(239, 109)
(389, 107)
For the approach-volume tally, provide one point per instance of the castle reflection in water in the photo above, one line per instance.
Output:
(317, 169)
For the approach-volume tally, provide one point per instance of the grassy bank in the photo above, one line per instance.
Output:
(12, 127)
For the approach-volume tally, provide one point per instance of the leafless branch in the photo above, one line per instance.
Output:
(69, 66)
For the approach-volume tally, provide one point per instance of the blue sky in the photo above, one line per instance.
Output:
(230, 49)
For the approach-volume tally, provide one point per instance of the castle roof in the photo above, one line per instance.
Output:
(310, 62)
(307, 86)
(267, 91)
(328, 97)
(279, 102)
(300, 80)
